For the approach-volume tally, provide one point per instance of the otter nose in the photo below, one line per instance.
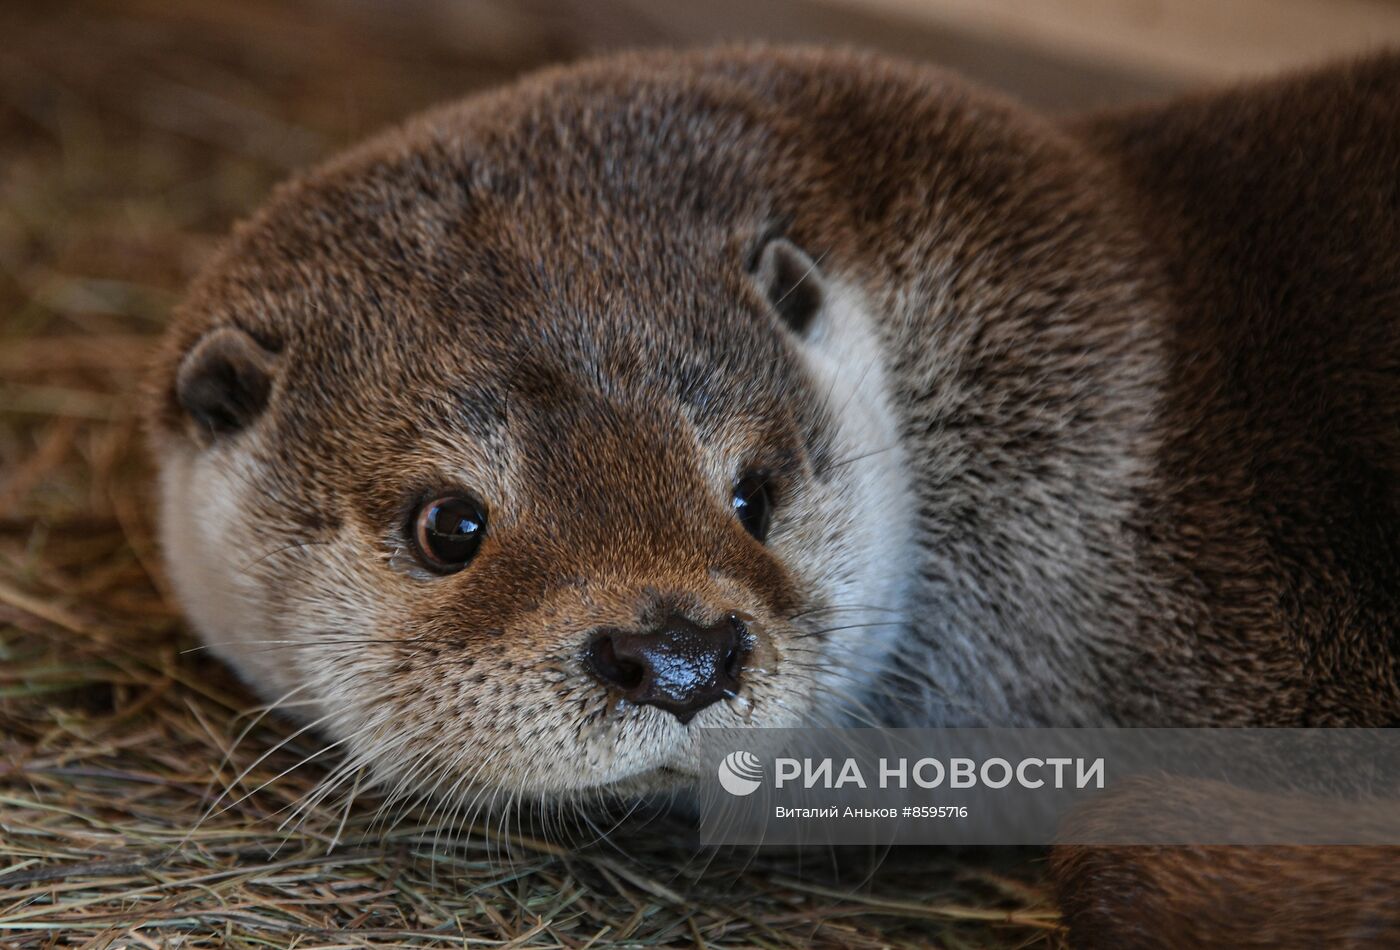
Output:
(679, 667)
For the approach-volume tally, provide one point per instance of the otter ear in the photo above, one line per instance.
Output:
(791, 282)
(224, 381)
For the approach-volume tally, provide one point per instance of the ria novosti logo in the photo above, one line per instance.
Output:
(740, 773)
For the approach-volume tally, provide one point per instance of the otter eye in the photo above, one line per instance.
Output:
(753, 506)
(448, 532)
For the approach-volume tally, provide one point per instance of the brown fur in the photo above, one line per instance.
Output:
(1210, 895)
(1274, 209)
(1144, 366)
(1265, 897)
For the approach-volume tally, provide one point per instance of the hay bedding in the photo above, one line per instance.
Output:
(131, 134)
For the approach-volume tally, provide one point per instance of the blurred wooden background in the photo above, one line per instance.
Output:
(1052, 53)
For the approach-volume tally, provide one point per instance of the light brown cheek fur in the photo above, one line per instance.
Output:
(468, 700)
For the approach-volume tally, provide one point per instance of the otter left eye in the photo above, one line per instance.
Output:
(448, 532)
(753, 506)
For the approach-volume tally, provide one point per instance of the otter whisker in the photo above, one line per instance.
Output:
(467, 777)
(358, 763)
(295, 546)
(853, 626)
(301, 809)
(228, 756)
(924, 686)
(401, 781)
(850, 459)
(846, 606)
(285, 772)
(271, 645)
(214, 810)
(345, 813)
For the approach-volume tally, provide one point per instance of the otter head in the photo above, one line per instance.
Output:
(517, 446)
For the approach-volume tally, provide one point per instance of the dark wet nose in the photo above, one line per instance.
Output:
(679, 667)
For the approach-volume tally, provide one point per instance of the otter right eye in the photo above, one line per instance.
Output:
(448, 532)
(753, 506)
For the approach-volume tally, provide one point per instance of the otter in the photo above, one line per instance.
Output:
(788, 386)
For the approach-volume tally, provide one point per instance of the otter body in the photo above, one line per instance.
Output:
(785, 387)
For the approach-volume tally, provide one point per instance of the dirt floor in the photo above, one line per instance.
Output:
(131, 135)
